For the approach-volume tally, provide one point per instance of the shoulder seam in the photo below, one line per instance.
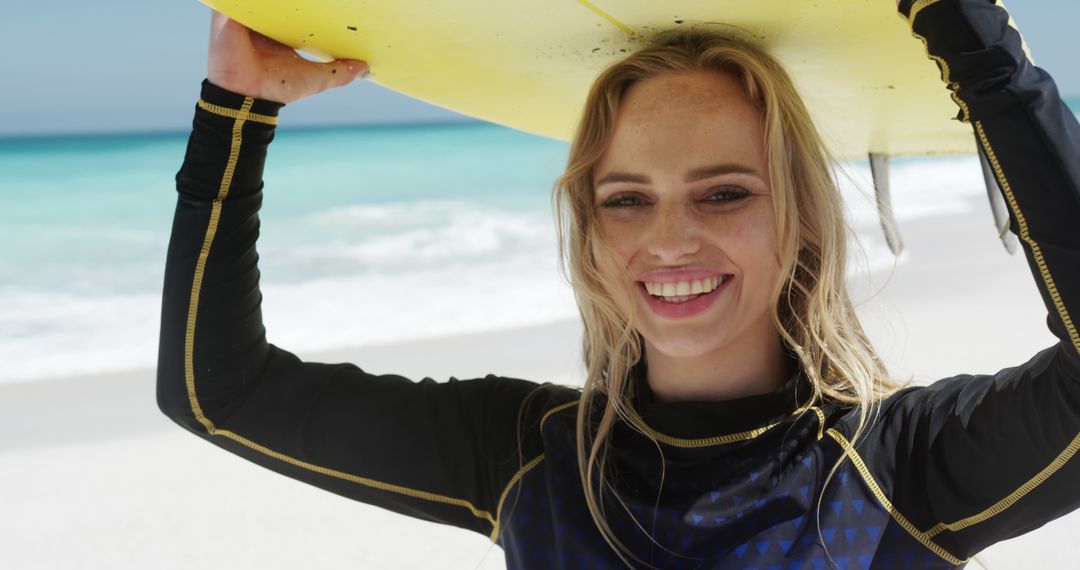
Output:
(525, 468)
(506, 491)
(557, 409)
(879, 494)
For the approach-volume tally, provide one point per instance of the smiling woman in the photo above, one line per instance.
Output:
(671, 229)
(734, 414)
(706, 241)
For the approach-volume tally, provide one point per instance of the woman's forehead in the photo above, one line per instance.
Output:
(682, 121)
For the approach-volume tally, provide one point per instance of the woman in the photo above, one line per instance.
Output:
(734, 414)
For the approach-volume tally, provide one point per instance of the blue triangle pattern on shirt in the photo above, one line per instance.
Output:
(829, 534)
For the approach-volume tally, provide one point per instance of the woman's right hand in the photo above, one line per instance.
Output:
(251, 64)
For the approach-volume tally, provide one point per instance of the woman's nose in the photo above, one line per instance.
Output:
(673, 234)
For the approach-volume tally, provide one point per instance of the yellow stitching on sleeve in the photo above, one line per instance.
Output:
(880, 495)
(1059, 305)
(1074, 446)
(916, 8)
(200, 265)
(368, 482)
(1016, 495)
(189, 343)
(506, 491)
(238, 114)
(1025, 235)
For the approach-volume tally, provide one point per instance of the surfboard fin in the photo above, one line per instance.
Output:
(997, 203)
(879, 170)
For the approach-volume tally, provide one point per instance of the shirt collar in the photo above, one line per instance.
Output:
(719, 420)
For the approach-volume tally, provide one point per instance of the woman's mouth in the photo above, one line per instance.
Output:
(681, 299)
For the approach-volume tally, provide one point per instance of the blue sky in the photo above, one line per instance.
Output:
(124, 65)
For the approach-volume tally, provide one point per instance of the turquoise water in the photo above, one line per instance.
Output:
(413, 227)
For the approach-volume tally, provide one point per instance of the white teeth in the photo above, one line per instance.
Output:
(682, 290)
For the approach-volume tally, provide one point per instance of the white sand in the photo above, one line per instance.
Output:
(93, 476)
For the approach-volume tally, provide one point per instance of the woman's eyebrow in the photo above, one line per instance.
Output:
(693, 175)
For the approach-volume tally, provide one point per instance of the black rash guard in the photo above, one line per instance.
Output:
(946, 471)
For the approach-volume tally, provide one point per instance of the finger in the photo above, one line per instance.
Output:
(357, 67)
(217, 22)
(344, 71)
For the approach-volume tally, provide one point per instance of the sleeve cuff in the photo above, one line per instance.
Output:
(222, 102)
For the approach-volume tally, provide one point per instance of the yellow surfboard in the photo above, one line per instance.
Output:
(528, 64)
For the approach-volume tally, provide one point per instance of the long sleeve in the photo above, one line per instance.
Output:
(975, 459)
(440, 451)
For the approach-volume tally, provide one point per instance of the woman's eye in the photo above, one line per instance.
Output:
(624, 201)
(727, 195)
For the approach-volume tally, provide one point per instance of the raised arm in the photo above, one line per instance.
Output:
(975, 459)
(440, 451)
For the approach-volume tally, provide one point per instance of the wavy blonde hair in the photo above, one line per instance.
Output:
(812, 312)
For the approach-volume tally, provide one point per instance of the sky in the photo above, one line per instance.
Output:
(127, 65)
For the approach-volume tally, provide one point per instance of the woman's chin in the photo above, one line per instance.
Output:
(684, 345)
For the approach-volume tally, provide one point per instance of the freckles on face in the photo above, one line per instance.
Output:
(683, 186)
(684, 148)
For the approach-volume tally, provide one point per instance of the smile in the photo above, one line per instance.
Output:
(682, 299)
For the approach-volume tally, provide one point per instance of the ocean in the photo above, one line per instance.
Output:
(370, 235)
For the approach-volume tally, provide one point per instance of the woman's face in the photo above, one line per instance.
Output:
(683, 200)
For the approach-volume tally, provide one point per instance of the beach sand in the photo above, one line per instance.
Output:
(94, 476)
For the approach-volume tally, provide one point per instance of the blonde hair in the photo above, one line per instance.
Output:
(813, 313)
